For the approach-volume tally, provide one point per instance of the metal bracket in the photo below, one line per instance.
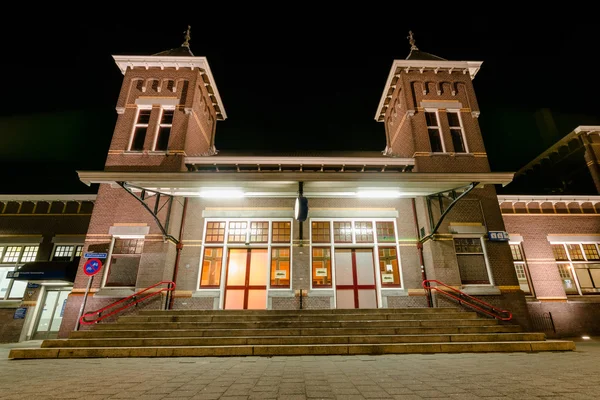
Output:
(147, 194)
(440, 196)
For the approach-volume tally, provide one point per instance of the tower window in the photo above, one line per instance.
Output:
(457, 132)
(164, 130)
(435, 134)
(140, 129)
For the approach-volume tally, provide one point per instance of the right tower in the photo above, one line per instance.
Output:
(430, 112)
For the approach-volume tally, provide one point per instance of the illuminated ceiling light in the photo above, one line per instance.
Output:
(221, 194)
(585, 337)
(381, 194)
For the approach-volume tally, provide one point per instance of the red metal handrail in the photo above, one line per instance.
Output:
(100, 317)
(493, 312)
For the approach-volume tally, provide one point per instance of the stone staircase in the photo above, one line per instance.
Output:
(199, 333)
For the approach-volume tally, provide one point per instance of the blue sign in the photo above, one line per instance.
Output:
(20, 313)
(95, 255)
(498, 236)
(31, 285)
(92, 266)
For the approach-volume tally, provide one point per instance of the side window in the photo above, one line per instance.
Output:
(140, 129)
(164, 129)
(471, 261)
(434, 131)
(124, 262)
(457, 132)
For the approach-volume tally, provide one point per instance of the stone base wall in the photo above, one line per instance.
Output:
(565, 319)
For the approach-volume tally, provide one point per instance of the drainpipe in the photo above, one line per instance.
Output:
(179, 246)
(420, 248)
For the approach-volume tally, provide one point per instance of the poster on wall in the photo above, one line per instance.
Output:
(20, 313)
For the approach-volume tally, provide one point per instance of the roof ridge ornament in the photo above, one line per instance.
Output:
(411, 40)
(186, 43)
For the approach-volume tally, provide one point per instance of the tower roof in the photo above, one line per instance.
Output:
(421, 61)
(416, 54)
(421, 55)
(181, 51)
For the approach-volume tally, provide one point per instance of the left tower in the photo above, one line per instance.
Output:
(168, 108)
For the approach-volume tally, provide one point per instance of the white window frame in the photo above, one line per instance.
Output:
(353, 244)
(160, 125)
(14, 265)
(75, 245)
(479, 236)
(571, 263)
(136, 124)
(106, 266)
(438, 127)
(462, 130)
(525, 267)
(247, 245)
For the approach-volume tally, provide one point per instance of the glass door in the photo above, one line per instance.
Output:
(355, 285)
(246, 281)
(51, 315)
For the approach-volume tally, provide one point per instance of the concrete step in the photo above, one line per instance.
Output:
(290, 340)
(289, 350)
(246, 313)
(199, 332)
(296, 324)
(296, 317)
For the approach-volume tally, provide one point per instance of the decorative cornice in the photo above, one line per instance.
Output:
(124, 62)
(436, 66)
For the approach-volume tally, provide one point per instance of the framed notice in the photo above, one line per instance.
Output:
(321, 272)
(282, 274)
(387, 278)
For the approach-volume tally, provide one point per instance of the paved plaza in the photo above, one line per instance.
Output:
(547, 375)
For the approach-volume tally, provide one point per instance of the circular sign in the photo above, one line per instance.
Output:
(92, 266)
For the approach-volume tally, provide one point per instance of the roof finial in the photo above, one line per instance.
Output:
(187, 37)
(411, 40)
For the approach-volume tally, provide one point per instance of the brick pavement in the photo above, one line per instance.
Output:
(548, 375)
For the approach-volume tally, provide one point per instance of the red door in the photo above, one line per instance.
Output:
(355, 278)
(246, 280)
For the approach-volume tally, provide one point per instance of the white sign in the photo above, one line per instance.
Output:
(498, 236)
(321, 272)
(280, 274)
(389, 268)
(387, 278)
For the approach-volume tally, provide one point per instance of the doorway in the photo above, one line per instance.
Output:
(51, 314)
(355, 285)
(246, 279)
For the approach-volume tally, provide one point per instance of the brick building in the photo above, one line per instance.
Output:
(321, 229)
(554, 229)
(305, 229)
(41, 238)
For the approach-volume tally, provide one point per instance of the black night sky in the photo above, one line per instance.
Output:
(288, 80)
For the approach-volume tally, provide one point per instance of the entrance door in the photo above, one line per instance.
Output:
(51, 314)
(355, 278)
(246, 282)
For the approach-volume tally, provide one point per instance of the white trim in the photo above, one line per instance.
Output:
(548, 199)
(284, 160)
(226, 246)
(398, 66)
(166, 102)
(438, 127)
(123, 62)
(462, 131)
(47, 197)
(374, 246)
(480, 236)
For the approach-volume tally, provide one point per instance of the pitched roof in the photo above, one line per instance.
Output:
(422, 55)
(182, 51)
